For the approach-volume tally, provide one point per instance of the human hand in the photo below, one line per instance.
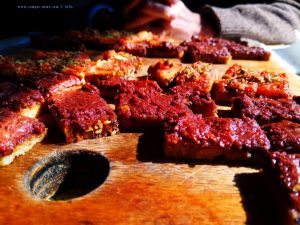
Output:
(173, 16)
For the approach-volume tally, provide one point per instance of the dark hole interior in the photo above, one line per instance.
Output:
(67, 175)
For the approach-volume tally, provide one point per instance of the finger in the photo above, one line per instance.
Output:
(131, 5)
(180, 29)
(157, 10)
(171, 2)
(185, 26)
(140, 21)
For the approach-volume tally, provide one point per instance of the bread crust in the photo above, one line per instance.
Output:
(18, 134)
(83, 114)
(196, 137)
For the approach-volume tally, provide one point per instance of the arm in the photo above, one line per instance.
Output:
(268, 23)
(171, 16)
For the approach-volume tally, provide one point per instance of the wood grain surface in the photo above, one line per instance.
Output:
(142, 186)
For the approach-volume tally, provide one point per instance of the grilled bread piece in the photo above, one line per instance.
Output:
(239, 80)
(142, 106)
(164, 72)
(196, 137)
(83, 114)
(284, 136)
(21, 99)
(218, 50)
(266, 110)
(18, 134)
(282, 176)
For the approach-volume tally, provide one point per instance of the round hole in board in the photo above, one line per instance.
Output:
(67, 174)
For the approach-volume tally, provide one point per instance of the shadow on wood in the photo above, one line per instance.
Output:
(256, 199)
(150, 149)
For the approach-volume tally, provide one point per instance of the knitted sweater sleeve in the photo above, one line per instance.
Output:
(269, 23)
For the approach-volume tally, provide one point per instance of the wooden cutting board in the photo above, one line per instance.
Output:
(142, 187)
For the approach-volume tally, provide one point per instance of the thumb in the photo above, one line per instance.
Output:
(171, 2)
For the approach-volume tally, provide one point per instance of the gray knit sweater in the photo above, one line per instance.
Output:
(271, 23)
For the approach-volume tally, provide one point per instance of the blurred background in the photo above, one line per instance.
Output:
(56, 15)
(22, 16)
